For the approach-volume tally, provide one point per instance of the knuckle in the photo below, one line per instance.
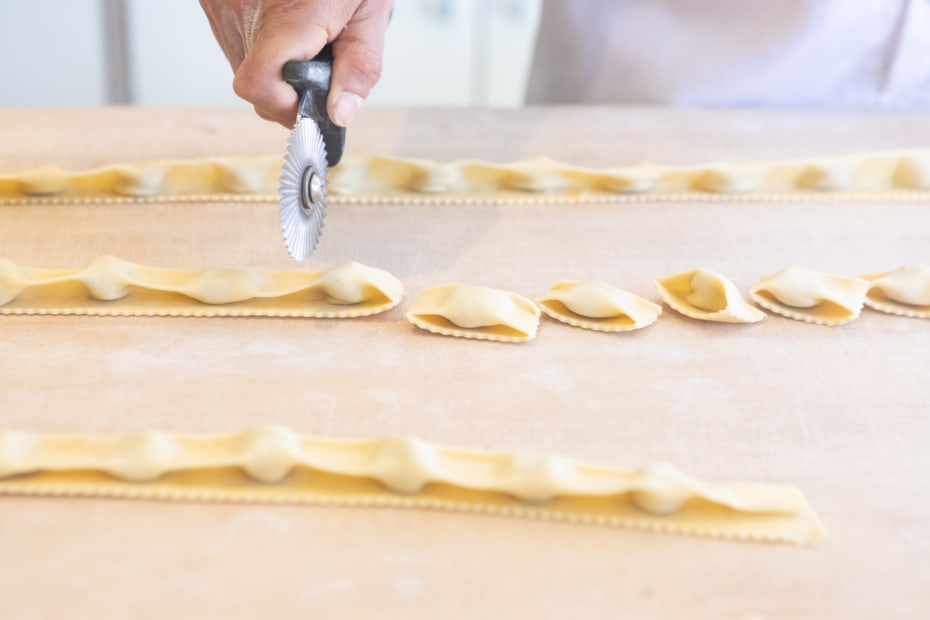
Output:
(262, 114)
(245, 85)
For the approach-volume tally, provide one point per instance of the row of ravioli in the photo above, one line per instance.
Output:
(802, 294)
(221, 175)
(268, 455)
(909, 170)
(905, 170)
(113, 286)
(275, 463)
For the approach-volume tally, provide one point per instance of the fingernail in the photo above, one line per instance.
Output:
(346, 107)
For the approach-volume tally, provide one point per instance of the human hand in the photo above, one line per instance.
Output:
(259, 36)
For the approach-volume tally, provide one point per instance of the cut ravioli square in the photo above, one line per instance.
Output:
(477, 312)
(707, 296)
(597, 306)
(904, 291)
(811, 296)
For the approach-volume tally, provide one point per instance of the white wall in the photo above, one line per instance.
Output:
(438, 52)
(52, 53)
(174, 59)
(458, 52)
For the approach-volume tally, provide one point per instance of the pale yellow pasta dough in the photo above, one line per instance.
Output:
(895, 174)
(477, 312)
(112, 286)
(731, 178)
(913, 171)
(832, 174)
(274, 464)
(597, 306)
(811, 296)
(904, 291)
(707, 296)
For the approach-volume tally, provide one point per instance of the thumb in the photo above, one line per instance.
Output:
(357, 56)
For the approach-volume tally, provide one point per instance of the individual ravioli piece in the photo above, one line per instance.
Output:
(707, 296)
(478, 312)
(729, 178)
(599, 306)
(811, 296)
(913, 171)
(904, 291)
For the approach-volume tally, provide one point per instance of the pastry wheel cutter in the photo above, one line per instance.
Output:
(315, 144)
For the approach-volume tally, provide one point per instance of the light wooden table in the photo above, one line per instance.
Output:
(843, 413)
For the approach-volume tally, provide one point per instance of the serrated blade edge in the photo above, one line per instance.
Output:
(305, 149)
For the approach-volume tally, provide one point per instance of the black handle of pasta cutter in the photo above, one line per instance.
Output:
(310, 78)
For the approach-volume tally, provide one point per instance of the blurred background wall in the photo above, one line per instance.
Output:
(162, 52)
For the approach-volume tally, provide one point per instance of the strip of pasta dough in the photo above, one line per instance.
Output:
(110, 286)
(887, 175)
(276, 465)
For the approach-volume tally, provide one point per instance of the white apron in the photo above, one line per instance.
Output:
(841, 53)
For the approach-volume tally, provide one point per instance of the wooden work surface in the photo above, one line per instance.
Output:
(843, 413)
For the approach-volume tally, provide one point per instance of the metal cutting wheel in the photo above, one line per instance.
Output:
(315, 144)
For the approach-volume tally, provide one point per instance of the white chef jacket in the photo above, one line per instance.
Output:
(842, 53)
